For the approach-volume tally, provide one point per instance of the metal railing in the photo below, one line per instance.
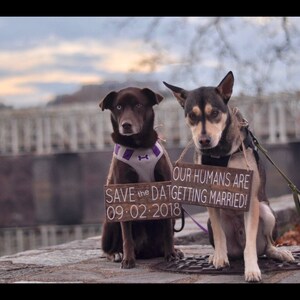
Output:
(78, 128)
(13, 240)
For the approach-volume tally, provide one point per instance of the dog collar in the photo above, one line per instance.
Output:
(141, 159)
(222, 161)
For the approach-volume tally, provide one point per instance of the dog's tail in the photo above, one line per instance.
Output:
(182, 222)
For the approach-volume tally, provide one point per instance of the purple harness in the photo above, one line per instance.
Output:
(142, 160)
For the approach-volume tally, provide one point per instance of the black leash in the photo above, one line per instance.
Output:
(182, 221)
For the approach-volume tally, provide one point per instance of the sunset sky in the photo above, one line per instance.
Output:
(41, 57)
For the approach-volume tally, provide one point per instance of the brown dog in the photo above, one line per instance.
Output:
(219, 140)
(138, 157)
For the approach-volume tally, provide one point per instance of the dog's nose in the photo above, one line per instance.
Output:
(204, 140)
(126, 126)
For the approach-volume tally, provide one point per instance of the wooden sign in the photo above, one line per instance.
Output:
(140, 201)
(211, 186)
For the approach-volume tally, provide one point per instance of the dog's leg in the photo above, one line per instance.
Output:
(219, 259)
(269, 223)
(111, 241)
(128, 261)
(252, 271)
(115, 257)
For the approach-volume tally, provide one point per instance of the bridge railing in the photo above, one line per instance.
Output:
(17, 239)
(77, 128)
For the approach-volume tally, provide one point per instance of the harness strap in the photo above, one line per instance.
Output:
(249, 143)
(222, 161)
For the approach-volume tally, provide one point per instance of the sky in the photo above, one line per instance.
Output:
(41, 57)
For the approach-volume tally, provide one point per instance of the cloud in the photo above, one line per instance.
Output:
(120, 56)
(42, 57)
(45, 55)
(125, 57)
(46, 63)
(259, 20)
(24, 84)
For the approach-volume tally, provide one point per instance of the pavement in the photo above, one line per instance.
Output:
(82, 261)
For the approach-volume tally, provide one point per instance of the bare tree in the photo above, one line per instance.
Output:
(255, 48)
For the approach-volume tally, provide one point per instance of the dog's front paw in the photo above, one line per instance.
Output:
(176, 254)
(179, 254)
(253, 274)
(117, 257)
(219, 260)
(128, 263)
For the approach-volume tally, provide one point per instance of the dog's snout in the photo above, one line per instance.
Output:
(127, 126)
(204, 140)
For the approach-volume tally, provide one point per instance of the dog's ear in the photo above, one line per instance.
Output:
(225, 86)
(153, 97)
(107, 101)
(178, 92)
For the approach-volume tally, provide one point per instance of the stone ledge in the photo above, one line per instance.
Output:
(83, 261)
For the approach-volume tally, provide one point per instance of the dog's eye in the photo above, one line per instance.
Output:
(193, 117)
(214, 113)
(119, 107)
(139, 105)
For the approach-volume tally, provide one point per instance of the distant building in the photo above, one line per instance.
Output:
(95, 92)
(3, 106)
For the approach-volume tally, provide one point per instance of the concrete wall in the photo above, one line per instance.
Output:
(55, 189)
(16, 193)
(287, 158)
(68, 188)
